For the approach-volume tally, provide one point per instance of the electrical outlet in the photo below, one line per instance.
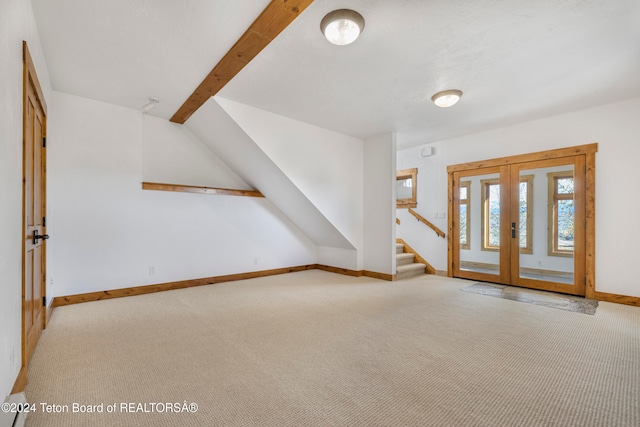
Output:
(539, 262)
(255, 261)
(51, 282)
(152, 270)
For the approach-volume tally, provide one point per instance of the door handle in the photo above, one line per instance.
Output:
(37, 236)
(513, 230)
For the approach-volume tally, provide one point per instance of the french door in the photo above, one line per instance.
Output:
(525, 220)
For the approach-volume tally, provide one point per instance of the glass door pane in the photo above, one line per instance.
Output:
(546, 218)
(479, 218)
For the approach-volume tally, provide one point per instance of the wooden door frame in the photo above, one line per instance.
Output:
(588, 151)
(30, 77)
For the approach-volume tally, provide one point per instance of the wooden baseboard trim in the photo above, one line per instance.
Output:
(381, 276)
(21, 381)
(618, 299)
(337, 270)
(161, 287)
(357, 273)
(148, 289)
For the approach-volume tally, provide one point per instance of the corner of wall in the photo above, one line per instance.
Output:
(379, 203)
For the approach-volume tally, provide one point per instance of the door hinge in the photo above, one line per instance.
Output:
(44, 141)
(44, 301)
(44, 221)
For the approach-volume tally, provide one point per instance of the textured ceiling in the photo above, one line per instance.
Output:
(514, 60)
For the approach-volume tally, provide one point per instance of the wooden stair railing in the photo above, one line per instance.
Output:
(427, 223)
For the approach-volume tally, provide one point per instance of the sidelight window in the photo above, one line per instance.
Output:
(561, 213)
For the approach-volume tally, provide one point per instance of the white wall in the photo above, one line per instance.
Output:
(108, 232)
(326, 166)
(220, 132)
(380, 204)
(615, 127)
(17, 23)
(172, 155)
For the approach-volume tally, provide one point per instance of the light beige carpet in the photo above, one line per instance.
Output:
(319, 349)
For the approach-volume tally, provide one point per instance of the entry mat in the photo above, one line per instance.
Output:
(530, 296)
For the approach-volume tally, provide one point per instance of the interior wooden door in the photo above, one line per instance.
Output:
(526, 220)
(34, 233)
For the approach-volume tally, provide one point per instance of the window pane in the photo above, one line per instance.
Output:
(463, 193)
(565, 225)
(494, 215)
(565, 185)
(523, 214)
(404, 189)
(463, 224)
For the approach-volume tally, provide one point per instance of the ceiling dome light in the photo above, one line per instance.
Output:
(447, 98)
(342, 26)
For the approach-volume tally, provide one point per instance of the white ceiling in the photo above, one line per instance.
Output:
(515, 60)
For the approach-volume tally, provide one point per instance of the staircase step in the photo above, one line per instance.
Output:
(410, 270)
(404, 259)
(399, 248)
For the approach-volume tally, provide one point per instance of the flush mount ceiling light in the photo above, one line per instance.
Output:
(447, 98)
(342, 26)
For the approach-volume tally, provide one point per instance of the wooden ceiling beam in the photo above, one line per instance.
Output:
(274, 18)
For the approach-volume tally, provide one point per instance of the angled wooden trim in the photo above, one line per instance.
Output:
(274, 18)
(618, 299)
(523, 158)
(397, 221)
(429, 268)
(420, 218)
(199, 190)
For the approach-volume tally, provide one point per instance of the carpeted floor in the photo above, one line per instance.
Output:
(319, 349)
